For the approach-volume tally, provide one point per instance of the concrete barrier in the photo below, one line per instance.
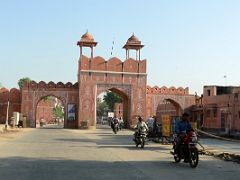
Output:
(2, 128)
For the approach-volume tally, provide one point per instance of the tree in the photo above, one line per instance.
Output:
(111, 98)
(22, 80)
(58, 112)
(1, 86)
(102, 109)
(47, 98)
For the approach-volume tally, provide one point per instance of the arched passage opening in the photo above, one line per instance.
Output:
(169, 107)
(169, 111)
(50, 112)
(107, 108)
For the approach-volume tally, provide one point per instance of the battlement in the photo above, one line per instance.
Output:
(164, 90)
(13, 95)
(49, 86)
(114, 65)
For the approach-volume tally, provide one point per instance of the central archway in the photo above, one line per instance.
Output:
(123, 105)
(122, 92)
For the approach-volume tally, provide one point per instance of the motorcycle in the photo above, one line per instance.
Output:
(187, 150)
(115, 128)
(140, 138)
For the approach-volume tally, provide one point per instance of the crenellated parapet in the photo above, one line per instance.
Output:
(113, 65)
(11, 99)
(13, 95)
(164, 90)
(49, 86)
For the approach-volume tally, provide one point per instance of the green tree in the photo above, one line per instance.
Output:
(1, 86)
(58, 112)
(48, 98)
(111, 98)
(20, 81)
(102, 109)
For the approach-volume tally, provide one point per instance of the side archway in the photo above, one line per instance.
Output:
(50, 109)
(32, 93)
(169, 107)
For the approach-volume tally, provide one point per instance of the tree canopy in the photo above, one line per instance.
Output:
(111, 98)
(20, 81)
(102, 109)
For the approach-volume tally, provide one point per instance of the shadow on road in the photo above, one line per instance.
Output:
(22, 168)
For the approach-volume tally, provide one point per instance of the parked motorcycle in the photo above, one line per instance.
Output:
(140, 138)
(188, 149)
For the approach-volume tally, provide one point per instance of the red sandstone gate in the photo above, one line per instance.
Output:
(127, 79)
(95, 75)
(179, 98)
(34, 92)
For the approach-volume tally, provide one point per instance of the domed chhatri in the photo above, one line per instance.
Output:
(87, 40)
(133, 43)
(133, 40)
(87, 37)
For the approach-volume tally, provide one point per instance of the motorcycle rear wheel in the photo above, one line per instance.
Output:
(142, 143)
(193, 157)
(177, 159)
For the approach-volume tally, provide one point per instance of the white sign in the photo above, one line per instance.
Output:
(111, 114)
(16, 116)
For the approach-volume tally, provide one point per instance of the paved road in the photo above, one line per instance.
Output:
(61, 154)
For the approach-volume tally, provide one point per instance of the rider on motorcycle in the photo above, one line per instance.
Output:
(182, 127)
(115, 123)
(141, 126)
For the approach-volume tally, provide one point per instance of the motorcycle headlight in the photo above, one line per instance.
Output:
(194, 139)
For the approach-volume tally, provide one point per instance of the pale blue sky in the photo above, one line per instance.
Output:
(188, 42)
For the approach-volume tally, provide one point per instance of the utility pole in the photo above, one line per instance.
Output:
(6, 123)
(225, 79)
(229, 118)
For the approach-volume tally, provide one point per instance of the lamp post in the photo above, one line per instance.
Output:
(225, 79)
(6, 123)
(229, 117)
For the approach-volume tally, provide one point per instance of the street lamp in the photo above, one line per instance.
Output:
(6, 123)
(225, 78)
(229, 119)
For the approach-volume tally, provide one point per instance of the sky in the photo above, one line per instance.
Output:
(188, 43)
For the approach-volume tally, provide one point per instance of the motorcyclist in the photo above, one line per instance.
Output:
(155, 126)
(115, 123)
(182, 127)
(121, 123)
(141, 126)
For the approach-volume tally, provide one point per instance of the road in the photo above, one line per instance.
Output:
(64, 154)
